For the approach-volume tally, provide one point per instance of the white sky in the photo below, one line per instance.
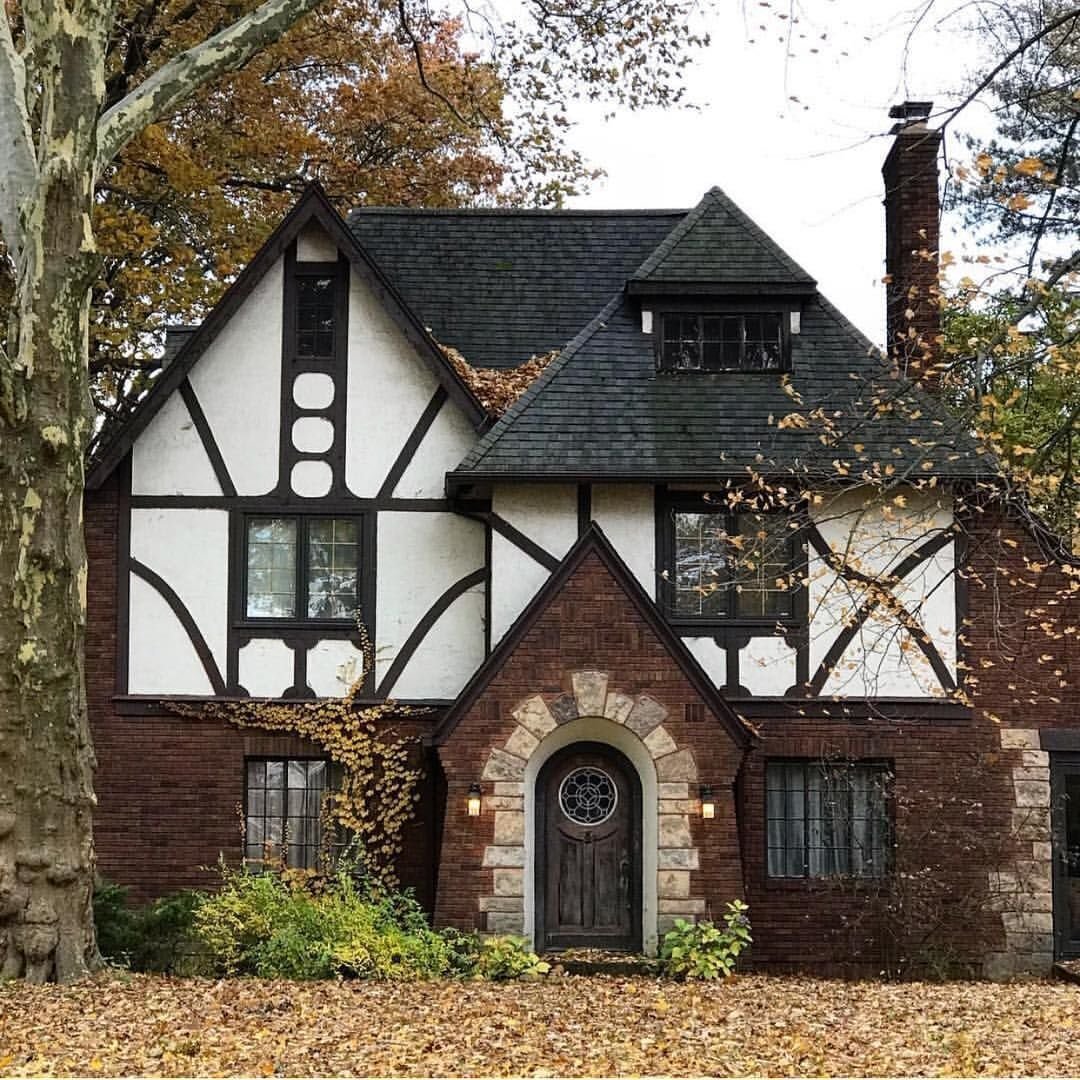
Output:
(808, 171)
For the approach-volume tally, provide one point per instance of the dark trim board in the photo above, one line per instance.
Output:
(843, 710)
(123, 573)
(412, 443)
(155, 705)
(517, 538)
(275, 504)
(206, 435)
(178, 608)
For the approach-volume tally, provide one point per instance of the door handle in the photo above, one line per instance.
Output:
(624, 879)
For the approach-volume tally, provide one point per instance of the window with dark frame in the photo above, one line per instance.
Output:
(730, 565)
(316, 303)
(302, 568)
(283, 810)
(722, 342)
(827, 819)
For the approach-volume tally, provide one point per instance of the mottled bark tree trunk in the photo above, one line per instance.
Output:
(53, 139)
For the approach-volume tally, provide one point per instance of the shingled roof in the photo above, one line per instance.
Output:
(501, 286)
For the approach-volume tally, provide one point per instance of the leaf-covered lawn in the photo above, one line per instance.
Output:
(569, 1025)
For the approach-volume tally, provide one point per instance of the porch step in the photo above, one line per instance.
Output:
(1068, 970)
(601, 962)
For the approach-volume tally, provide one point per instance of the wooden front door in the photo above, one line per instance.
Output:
(1065, 799)
(588, 867)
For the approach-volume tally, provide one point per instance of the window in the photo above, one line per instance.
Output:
(727, 565)
(302, 568)
(316, 302)
(827, 819)
(694, 342)
(283, 802)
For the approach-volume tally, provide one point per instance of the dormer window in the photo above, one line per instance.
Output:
(752, 341)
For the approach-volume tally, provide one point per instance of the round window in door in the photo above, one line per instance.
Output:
(588, 865)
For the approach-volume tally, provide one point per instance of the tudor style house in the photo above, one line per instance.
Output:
(711, 611)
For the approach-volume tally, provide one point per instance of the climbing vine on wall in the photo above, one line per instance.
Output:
(379, 788)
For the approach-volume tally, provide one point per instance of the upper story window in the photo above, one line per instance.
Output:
(302, 568)
(722, 342)
(725, 565)
(316, 315)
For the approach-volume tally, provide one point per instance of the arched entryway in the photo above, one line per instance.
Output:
(588, 865)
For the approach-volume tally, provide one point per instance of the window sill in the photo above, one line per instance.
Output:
(824, 884)
(707, 627)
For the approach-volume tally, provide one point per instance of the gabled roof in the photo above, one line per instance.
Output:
(715, 249)
(594, 542)
(603, 410)
(313, 206)
(501, 286)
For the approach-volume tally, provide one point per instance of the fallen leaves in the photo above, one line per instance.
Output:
(498, 388)
(571, 1026)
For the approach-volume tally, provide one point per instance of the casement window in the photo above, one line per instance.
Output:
(316, 320)
(302, 568)
(283, 809)
(728, 566)
(722, 342)
(827, 819)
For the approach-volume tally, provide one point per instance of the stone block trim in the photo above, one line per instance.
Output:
(1023, 891)
(644, 716)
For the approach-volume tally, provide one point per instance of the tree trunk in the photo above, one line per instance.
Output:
(46, 757)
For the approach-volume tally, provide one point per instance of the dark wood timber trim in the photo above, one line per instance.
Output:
(420, 631)
(925, 551)
(179, 609)
(518, 539)
(274, 504)
(202, 426)
(487, 588)
(123, 573)
(412, 444)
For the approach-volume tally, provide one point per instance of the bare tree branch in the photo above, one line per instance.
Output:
(19, 167)
(177, 80)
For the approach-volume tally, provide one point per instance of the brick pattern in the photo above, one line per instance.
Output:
(589, 646)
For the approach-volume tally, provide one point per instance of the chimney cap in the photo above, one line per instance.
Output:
(910, 113)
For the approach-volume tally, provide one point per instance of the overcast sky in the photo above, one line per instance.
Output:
(807, 170)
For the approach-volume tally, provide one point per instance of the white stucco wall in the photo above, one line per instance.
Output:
(238, 383)
(333, 665)
(767, 666)
(189, 550)
(314, 245)
(547, 515)
(420, 555)
(626, 514)
(266, 667)
(169, 458)
(444, 446)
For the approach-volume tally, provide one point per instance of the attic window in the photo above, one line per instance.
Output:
(722, 342)
(316, 296)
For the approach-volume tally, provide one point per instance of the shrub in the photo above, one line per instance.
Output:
(159, 937)
(495, 958)
(284, 926)
(703, 950)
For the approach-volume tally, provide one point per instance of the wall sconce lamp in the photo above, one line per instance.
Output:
(708, 803)
(473, 801)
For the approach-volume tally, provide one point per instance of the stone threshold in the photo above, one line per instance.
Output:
(600, 962)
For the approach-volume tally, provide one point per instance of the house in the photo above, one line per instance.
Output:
(724, 605)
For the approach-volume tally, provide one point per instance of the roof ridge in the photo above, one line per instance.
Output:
(507, 420)
(515, 211)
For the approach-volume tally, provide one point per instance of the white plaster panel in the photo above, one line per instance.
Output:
(266, 667)
(314, 245)
(312, 435)
(767, 666)
(420, 555)
(450, 652)
(311, 479)
(444, 446)
(169, 458)
(875, 535)
(515, 579)
(189, 549)
(625, 513)
(238, 382)
(333, 665)
(710, 656)
(313, 390)
(388, 390)
(161, 657)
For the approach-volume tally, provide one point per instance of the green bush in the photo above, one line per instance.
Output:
(495, 958)
(279, 926)
(158, 937)
(703, 950)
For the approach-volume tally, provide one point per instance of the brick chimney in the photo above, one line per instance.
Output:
(913, 317)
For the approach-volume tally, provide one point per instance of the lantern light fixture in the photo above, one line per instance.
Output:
(708, 803)
(473, 802)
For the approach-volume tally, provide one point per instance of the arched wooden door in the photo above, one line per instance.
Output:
(588, 862)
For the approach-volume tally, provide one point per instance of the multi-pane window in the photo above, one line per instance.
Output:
(695, 342)
(283, 802)
(302, 567)
(316, 296)
(736, 566)
(827, 819)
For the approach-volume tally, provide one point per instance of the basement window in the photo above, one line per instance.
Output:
(827, 819)
(283, 810)
(722, 342)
